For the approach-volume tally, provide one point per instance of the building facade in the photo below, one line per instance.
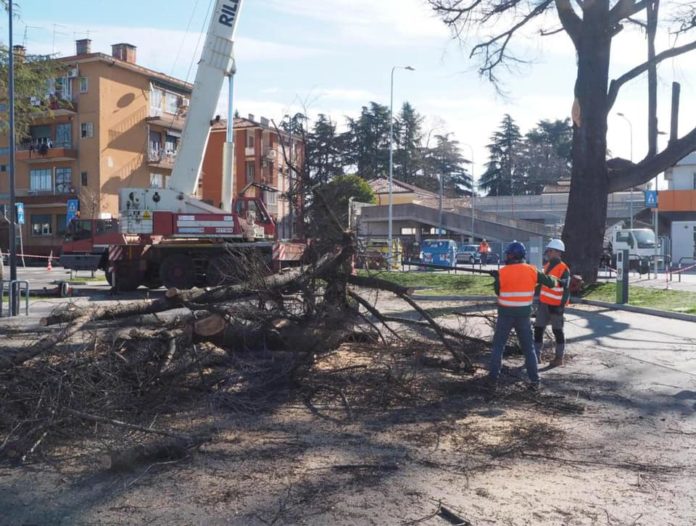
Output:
(677, 204)
(112, 124)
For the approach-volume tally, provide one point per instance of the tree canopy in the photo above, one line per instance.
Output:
(494, 25)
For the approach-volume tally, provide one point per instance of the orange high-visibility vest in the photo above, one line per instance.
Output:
(553, 296)
(517, 284)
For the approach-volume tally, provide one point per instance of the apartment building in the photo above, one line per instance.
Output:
(113, 123)
(263, 159)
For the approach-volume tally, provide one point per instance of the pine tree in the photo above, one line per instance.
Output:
(502, 176)
(324, 148)
(367, 142)
(545, 156)
(408, 158)
(446, 162)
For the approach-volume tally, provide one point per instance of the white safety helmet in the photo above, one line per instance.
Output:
(556, 244)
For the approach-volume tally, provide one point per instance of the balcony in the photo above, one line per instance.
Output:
(167, 121)
(45, 152)
(161, 158)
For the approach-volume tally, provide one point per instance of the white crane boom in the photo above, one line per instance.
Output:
(217, 62)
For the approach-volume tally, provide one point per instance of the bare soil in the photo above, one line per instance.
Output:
(386, 438)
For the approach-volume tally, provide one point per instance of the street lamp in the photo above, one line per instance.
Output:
(391, 155)
(14, 304)
(630, 202)
(473, 191)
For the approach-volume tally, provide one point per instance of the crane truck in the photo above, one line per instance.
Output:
(165, 236)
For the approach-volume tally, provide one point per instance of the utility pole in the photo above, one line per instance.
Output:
(14, 307)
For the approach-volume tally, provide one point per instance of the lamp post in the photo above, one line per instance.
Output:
(14, 304)
(630, 202)
(391, 156)
(473, 191)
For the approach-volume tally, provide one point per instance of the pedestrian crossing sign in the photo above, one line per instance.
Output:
(650, 199)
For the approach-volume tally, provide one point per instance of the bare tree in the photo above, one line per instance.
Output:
(591, 26)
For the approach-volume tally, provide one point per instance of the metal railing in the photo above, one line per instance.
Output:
(14, 295)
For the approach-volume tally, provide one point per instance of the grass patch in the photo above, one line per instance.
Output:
(660, 299)
(438, 283)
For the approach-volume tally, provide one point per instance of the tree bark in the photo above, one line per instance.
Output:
(583, 232)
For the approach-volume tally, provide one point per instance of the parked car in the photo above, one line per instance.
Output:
(468, 254)
(441, 252)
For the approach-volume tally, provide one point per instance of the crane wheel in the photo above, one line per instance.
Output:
(178, 270)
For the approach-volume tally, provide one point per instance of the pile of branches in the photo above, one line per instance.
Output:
(115, 372)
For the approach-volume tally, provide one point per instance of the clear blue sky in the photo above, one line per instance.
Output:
(333, 56)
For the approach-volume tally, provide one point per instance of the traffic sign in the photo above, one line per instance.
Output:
(73, 206)
(20, 213)
(650, 199)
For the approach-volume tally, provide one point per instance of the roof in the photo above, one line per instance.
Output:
(688, 160)
(381, 186)
(150, 73)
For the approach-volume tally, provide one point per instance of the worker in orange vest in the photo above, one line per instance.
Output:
(514, 285)
(484, 248)
(552, 301)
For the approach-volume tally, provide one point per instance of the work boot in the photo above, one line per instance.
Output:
(556, 362)
(558, 359)
(534, 387)
(537, 350)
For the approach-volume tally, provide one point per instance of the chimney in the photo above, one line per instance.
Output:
(20, 53)
(83, 46)
(264, 122)
(251, 117)
(123, 51)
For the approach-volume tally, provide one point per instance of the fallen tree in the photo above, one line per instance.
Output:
(115, 369)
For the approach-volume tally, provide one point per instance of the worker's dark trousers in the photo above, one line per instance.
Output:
(523, 327)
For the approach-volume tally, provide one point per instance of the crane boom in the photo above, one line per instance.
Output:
(217, 62)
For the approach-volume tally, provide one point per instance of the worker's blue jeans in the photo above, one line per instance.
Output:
(522, 325)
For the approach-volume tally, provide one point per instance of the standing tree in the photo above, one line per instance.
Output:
(502, 175)
(591, 25)
(446, 162)
(408, 161)
(367, 142)
(32, 99)
(324, 151)
(545, 157)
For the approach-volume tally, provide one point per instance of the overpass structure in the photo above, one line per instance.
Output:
(413, 218)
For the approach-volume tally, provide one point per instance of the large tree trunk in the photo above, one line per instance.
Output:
(583, 232)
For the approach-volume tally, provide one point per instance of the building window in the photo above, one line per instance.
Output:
(171, 103)
(693, 182)
(3, 167)
(86, 130)
(64, 135)
(156, 181)
(84, 84)
(250, 139)
(61, 224)
(271, 198)
(250, 172)
(63, 180)
(170, 144)
(83, 178)
(41, 180)
(41, 225)
(156, 96)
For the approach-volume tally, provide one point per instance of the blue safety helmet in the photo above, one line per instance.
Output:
(515, 251)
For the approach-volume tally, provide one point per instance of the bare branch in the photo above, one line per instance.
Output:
(625, 9)
(616, 84)
(633, 175)
(495, 52)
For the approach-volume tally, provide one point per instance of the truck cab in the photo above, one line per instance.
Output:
(640, 243)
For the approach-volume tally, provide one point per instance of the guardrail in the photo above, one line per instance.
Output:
(455, 268)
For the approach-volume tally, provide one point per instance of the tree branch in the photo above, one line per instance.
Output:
(569, 19)
(627, 177)
(494, 58)
(616, 84)
(626, 8)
